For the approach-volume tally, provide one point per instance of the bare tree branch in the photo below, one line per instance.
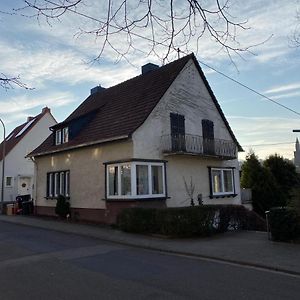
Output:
(10, 82)
(172, 24)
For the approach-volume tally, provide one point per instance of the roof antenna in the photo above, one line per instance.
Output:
(178, 51)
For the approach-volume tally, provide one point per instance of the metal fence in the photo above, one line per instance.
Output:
(195, 144)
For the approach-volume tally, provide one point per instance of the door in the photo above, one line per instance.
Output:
(208, 137)
(177, 132)
(24, 185)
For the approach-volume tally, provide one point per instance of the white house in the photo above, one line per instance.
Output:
(19, 169)
(137, 144)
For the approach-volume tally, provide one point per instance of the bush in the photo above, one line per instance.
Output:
(201, 220)
(284, 224)
(62, 207)
(137, 220)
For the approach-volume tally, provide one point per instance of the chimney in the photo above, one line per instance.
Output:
(45, 110)
(29, 119)
(149, 67)
(97, 89)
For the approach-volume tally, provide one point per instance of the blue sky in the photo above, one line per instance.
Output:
(57, 65)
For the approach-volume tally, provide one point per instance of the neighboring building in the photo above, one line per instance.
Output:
(297, 156)
(19, 169)
(135, 144)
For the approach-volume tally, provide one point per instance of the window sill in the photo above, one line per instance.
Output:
(135, 199)
(222, 196)
(55, 198)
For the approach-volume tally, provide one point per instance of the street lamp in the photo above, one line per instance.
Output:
(3, 166)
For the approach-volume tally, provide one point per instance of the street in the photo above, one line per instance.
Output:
(44, 264)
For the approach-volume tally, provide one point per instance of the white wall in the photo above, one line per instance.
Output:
(15, 162)
(188, 96)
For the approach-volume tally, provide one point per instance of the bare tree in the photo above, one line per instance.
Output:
(11, 82)
(165, 27)
(295, 38)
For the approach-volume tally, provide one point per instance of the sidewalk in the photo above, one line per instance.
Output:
(245, 248)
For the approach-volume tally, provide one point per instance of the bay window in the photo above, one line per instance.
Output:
(222, 181)
(135, 179)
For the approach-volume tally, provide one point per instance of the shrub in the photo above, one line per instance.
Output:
(137, 220)
(201, 220)
(62, 207)
(284, 224)
(186, 221)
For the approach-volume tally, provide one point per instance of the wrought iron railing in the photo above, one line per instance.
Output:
(195, 144)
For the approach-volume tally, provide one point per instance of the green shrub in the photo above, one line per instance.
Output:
(62, 207)
(186, 221)
(284, 224)
(201, 220)
(137, 220)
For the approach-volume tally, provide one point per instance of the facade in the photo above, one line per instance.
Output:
(19, 169)
(148, 141)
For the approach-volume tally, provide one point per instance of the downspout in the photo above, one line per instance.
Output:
(34, 188)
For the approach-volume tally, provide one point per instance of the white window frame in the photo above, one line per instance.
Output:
(11, 182)
(58, 137)
(53, 190)
(67, 183)
(134, 194)
(65, 135)
(50, 185)
(222, 181)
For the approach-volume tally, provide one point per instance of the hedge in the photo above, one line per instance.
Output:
(202, 220)
(284, 224)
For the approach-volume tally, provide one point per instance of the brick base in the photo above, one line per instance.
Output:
(104, 216)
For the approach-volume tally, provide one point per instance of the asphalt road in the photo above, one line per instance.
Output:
(43, 264)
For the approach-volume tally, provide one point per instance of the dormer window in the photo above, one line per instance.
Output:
(61, 136)
(58, 137)
(65, 135)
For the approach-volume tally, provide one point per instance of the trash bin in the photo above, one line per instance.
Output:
(27, 207)
(9, 209)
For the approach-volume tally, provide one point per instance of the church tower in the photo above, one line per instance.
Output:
(297, 156)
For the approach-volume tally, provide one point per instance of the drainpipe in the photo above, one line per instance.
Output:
(3, 166)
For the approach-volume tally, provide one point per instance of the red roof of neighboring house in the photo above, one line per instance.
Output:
(118, 111)
(20, 132)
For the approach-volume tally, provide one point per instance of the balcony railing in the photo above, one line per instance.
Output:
(195, 144)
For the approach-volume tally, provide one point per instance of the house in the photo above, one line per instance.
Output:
(137, 144)
(19, 169)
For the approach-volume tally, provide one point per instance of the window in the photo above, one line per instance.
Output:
(58, 183)
(136, 179)
(65, 135)
(9, 181)
(61, 136)
(222, 181)
(58, 137)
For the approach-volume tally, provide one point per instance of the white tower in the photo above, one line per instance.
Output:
(297, 156)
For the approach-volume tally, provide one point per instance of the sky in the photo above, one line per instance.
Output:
(59, 65)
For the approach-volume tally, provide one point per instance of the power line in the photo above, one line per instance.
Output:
(201, 62)
(274, 144)
(249, 88)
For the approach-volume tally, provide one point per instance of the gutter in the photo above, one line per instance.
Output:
(122, 137)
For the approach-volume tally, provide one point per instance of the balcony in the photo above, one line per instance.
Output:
(196, 145)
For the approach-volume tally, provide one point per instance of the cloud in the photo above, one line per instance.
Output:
(283, 88)
(17, 106)
(265, 135)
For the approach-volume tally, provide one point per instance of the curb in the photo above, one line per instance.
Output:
(155, 248)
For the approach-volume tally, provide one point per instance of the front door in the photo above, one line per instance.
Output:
(24, 185)
(177, 132)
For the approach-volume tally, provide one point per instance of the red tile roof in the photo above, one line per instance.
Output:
(121, 109)
(17, 135)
